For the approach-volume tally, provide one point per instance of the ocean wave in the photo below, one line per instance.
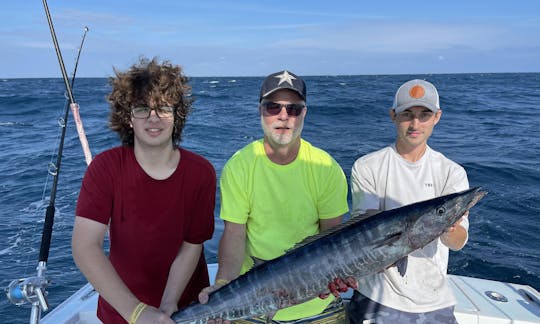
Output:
(15, 124)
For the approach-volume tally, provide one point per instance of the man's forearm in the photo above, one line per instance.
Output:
(232, 249)
(99, 271)
(180, 272)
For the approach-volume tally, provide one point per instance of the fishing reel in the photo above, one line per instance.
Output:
(28, 290)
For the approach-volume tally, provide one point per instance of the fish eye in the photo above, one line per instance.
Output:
(441, 210)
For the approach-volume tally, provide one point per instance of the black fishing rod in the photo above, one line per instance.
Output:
(58, 53)
(33, 289)
(55, 169)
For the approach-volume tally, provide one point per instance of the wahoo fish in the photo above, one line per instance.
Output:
(357, 248)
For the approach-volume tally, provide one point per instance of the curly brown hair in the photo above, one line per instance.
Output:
(148, 83)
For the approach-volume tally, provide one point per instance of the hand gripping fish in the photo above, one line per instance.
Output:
(357, 248)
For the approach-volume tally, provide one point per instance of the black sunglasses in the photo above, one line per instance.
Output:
(274, 108)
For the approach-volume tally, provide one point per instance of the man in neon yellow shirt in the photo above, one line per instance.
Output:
(278, 190)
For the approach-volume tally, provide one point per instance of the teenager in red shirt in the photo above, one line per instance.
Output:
(155, 198)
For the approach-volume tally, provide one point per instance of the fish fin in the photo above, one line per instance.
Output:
(401, 265)
(327, 232)
(257, 261)
(388, 240)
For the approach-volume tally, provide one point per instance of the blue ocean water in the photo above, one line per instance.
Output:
(489, 125)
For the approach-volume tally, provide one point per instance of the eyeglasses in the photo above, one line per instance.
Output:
(274, 108)
(422, 116)
(144, 112)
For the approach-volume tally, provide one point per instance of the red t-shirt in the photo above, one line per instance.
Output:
(149, 219)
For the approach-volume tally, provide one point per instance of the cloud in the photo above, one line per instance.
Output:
(250, 38)
(409, 37)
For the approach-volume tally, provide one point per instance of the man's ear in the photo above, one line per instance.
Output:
(438, 115)
(392, 114)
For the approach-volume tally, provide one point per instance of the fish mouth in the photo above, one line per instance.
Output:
(469, 198)
(479, 193)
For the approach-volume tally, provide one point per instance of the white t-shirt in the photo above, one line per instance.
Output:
(383, 180)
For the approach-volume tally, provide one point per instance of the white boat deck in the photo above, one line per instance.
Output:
(518, 304)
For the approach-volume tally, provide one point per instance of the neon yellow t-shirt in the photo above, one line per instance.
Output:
(282, 204)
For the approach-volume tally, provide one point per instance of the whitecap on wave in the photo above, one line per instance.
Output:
(12, 245)
(14, 124)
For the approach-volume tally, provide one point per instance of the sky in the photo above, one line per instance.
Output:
(256, 38)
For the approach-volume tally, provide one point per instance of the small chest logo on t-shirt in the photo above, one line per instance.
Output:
(428, 185)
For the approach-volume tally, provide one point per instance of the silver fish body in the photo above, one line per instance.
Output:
(356, 248)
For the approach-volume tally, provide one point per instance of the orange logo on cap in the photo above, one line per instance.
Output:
(417, 92)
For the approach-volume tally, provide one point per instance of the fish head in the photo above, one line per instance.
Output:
(429, 219)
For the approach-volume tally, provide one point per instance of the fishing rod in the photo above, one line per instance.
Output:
(33, 289)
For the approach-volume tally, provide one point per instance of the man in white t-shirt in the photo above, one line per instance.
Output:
(403, 173)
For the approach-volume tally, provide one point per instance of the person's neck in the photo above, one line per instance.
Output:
(158, 162)
(282, 154)
(411, 153)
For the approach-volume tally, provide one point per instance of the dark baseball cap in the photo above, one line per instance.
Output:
(283, 80)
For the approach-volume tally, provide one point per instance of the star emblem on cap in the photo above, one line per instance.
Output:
(285, 77)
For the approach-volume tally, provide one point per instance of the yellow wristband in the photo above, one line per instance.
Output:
(221, 281)
(137, 312)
